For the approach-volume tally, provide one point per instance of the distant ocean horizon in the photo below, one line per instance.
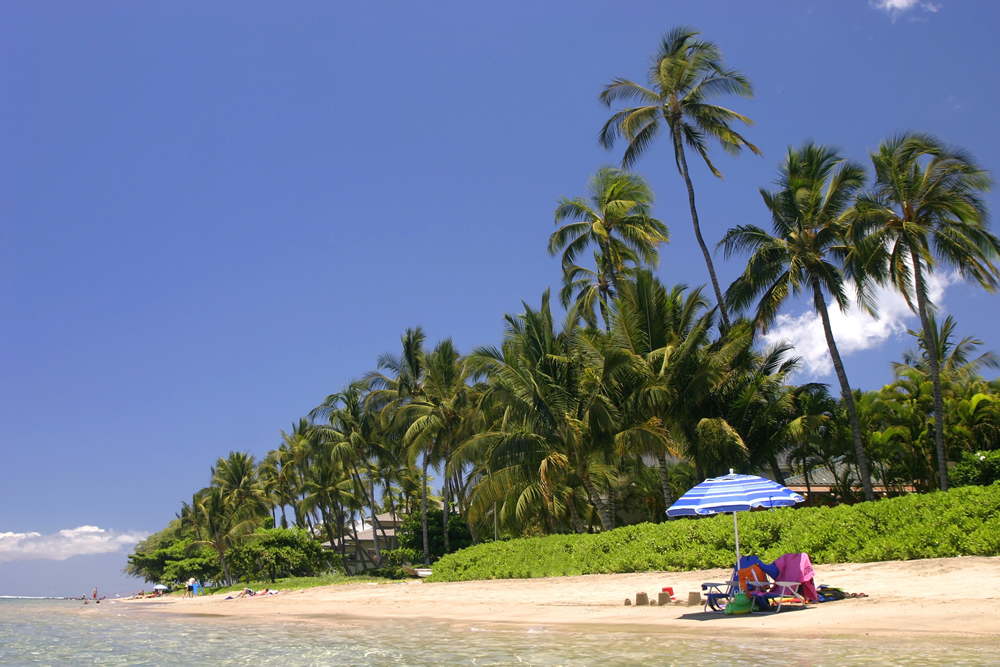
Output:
(48, 631)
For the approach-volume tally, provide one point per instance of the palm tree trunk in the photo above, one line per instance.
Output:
(845, 390)
(595, 500)
(329, 528)
(930, 343)
(423, 507)
(779, 476)
(668, 499)
(445, 504)
(370, 501)
(225, 566)
(376, 524)
(574, 514)
(805, 472)
(342, 535)
(604, 315)
(682, 163)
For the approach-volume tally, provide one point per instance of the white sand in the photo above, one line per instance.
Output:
(948, 597)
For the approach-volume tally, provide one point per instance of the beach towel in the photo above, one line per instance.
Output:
(798, 567)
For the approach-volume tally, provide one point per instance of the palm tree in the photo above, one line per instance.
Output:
(439, 420)
(389, 393)
(236, 475)
(956, 362)
(330, 488)
(667, 330)
(615, 218)
(354, 436)
(278, 477)
(817, 186)
(554, 421)
(685, 74)
(299, 445)
(592, 289)
(926, 209)
(219, 524)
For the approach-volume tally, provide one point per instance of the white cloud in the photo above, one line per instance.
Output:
(897, 7)
(853, 330)
(65, 544)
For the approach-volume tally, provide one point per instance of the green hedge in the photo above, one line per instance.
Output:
(964, 521)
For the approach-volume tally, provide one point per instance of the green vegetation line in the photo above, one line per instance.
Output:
(960, 522)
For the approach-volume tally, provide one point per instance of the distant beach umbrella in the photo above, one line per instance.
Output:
(160, 587)
(733, 493)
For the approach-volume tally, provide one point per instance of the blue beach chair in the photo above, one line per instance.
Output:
(719, 594)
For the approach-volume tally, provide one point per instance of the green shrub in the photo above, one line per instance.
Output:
(976, 469)
(962, 522)
(411, 533)
(276, 552)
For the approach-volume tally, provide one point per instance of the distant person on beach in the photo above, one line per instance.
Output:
(95, 593)
(189, 588)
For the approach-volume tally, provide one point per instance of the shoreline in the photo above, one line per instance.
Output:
(932, 598)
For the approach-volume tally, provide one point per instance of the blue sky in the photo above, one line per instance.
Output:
(212, 215)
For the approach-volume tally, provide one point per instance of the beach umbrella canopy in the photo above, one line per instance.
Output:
(160, 587)
(733, 493)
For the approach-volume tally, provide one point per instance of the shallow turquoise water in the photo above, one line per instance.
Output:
(47, 632)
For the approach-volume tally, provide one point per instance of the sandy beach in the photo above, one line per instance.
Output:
(952, 597)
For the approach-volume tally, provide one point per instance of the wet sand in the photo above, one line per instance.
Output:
(948, 597)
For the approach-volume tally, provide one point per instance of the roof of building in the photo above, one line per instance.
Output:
(363, 536)
(387, 518)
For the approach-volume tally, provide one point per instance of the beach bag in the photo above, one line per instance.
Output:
(829, 593)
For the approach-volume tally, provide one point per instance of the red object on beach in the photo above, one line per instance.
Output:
(669, 589)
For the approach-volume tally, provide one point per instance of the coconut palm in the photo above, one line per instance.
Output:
(236, 475)
(667, 330)
(816, 187)
(686, 73)
(556, 424)
(590, 291)
(279, 478)
(390, 392)
(219, 524)
(354, 436)
(926, 209)
(615, 217)
(440, 418)
(956, 360)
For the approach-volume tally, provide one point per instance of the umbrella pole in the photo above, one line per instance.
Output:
(736, 528)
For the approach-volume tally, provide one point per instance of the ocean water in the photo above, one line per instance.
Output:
(51, 632)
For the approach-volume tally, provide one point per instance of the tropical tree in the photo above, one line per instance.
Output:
(390, 392)
(441, 417)
(925, 210)
(616, 217)
(555, 426)
(236, 475)
(278, 476)
(219, 524)
(668, 330)
(686, 73)
(806, 254)
(354, 436)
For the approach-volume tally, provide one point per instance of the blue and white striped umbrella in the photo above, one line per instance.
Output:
(733, 493)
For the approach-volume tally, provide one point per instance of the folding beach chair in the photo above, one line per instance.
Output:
(719, 594)
(792, 583)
